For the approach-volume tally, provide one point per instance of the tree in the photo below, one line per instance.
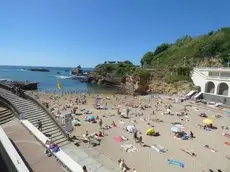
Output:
(161, 48)
(147, 58)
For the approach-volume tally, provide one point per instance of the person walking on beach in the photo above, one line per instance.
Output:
(39, 125)
(100, 123)
(84, 169)
(127, 112)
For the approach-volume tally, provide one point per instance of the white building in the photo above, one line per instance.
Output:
(214, 83)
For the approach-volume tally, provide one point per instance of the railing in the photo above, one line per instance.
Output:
(208, 77)
(13, 160)
(6, 87)
(212, 68)
(47, 111)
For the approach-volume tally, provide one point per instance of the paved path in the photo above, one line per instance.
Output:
(94, 161)
(31, 150)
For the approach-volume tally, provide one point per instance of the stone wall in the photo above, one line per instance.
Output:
(216, 98)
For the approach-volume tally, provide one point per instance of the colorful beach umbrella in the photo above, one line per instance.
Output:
(208, 121)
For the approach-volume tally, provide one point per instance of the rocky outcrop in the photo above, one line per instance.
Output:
(161, 87)
(77, 71)
(135, 86)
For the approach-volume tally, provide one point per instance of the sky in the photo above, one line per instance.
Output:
(87, 32)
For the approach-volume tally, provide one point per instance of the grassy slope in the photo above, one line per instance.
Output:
(214, 44)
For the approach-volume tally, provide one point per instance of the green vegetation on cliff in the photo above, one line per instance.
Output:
(117, 69)
(173, 62)
(191, 51)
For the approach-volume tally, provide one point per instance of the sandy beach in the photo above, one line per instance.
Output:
(143, 157)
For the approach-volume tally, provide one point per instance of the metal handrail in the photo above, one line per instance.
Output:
(210, 78)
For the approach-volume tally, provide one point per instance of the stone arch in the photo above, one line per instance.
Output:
(210, 87)
(222, 89)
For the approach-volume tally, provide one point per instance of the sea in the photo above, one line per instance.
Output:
(48, 80)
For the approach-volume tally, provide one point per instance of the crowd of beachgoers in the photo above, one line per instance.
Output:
(139, 133)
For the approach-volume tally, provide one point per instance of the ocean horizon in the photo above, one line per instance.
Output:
(48, 80)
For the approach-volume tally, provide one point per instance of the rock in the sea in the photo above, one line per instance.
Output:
(77, 71)
(39, 70)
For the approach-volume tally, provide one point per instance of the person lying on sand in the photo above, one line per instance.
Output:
(123, 165)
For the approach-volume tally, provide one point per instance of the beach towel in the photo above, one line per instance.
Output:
(227, 156)
(124, 138)
(129, 148)
(117, 139)
(211, 149)
(159, 148)
(191, 153)
(227, 143)
(176, 163)
(226, 135)
(228, 114)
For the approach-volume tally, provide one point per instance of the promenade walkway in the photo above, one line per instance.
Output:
(32, 152)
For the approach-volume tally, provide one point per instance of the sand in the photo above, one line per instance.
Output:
(146, 159)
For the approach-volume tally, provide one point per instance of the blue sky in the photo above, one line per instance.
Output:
(88, 32)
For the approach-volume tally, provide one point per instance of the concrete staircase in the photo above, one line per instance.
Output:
(5, 115)
(33, 113)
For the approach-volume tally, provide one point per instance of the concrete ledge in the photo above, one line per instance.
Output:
(66, 160)
(216, 98)
(12, 153)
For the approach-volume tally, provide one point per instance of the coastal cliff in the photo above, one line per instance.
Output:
(167, 69)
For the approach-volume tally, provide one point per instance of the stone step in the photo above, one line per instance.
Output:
(57, 138)
(34, 115)
(46, 120)
(49, 130)
(15, 99)
(19, 102)
(55, 132)
(3, 111)
(22, 104)
(6, 117)
(34, 110)
(8, 113)
(38, 117)
(47, 126)
(7, 120)
(3, 108)
(62, 141)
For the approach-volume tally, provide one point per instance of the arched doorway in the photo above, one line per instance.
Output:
(210, 87)
(222, 89)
